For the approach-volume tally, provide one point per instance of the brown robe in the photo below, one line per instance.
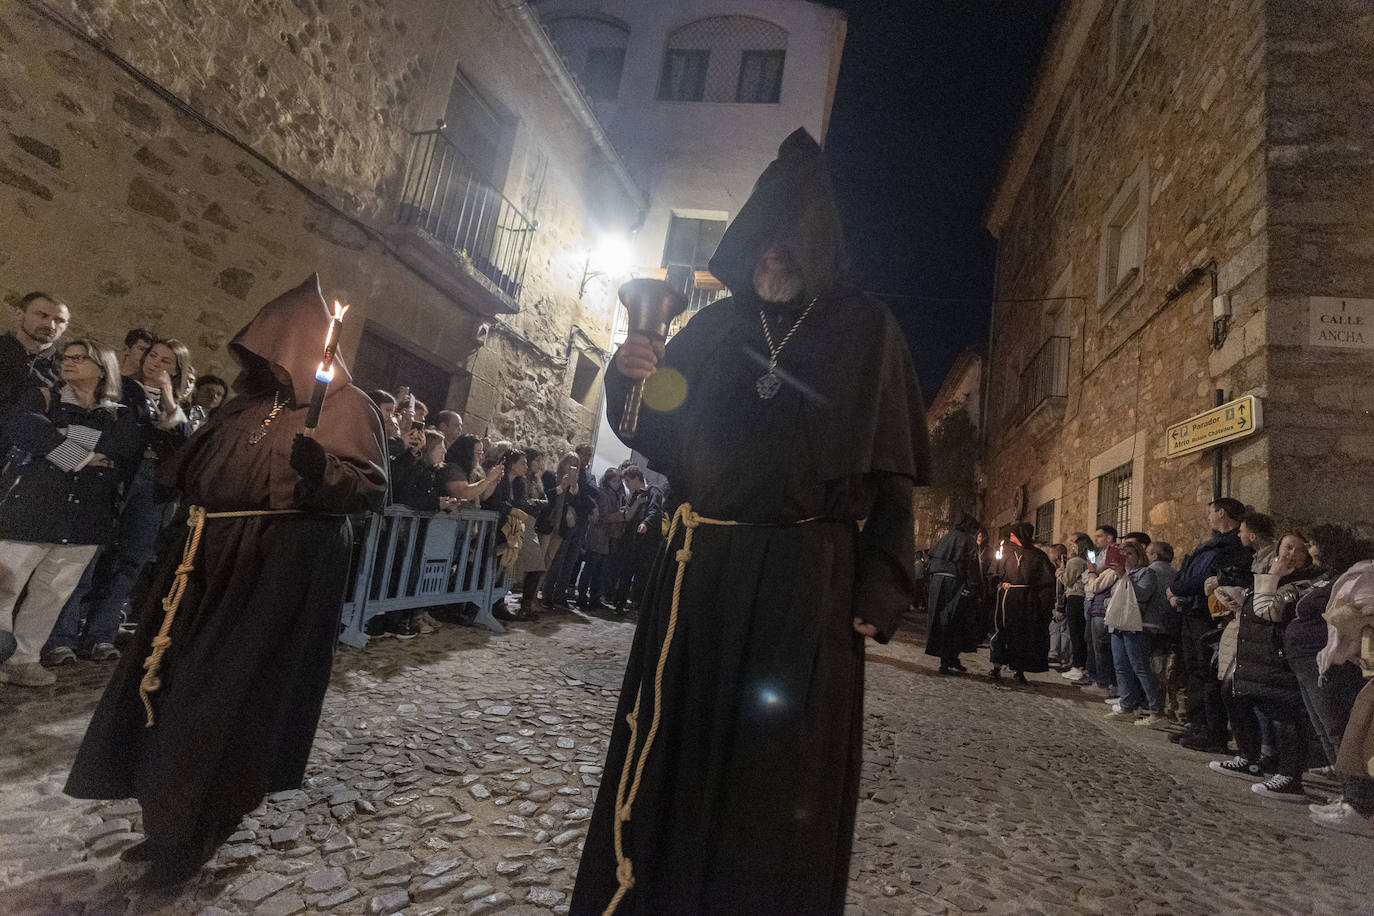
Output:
(253, 640)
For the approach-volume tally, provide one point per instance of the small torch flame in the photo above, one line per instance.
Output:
(999, 549)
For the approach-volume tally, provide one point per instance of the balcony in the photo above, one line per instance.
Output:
(1043, 392)
(462, 233)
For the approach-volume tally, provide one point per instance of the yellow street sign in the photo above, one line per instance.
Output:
(1227, 423)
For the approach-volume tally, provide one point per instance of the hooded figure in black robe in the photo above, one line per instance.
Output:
(956, 587)
(1024, 605)
(252, 642)
(746, 798)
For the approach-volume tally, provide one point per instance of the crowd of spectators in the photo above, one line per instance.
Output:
(83, 428)
(1261, 638)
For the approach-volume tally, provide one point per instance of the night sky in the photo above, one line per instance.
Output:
(930, 95)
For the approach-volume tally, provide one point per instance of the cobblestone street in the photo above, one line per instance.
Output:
(455, 774)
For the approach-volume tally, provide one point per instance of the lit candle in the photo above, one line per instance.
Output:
(999, 549)
(324, 373)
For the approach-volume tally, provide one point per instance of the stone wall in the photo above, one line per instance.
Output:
(1189, 117)
(268, 141)
(1321, 230)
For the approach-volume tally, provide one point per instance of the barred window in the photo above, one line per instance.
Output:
(724, 59)
(1044, 523)
(1114, 498)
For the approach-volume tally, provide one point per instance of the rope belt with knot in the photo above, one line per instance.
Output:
(195, 520)
(627, 789)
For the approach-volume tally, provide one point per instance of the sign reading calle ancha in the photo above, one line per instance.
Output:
(1344, 323)
(1227, 423)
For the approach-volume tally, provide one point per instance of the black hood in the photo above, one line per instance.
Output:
(793, 206)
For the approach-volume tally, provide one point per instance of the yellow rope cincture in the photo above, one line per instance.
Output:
(626, 791)
(195, 520)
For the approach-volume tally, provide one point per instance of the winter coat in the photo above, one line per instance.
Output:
(1221, 550)
(1261, 669)
(56, 496)
(1149, 593)
(1071, 576)
(1350, 619)
(20, 372)
(1165, 575)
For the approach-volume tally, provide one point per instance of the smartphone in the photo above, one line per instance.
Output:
(1092, 556)
(412, 403)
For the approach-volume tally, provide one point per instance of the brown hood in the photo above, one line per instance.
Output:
(289, 332)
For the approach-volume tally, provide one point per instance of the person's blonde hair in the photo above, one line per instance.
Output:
(109, 393)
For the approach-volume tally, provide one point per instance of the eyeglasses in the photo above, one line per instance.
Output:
(76, 358)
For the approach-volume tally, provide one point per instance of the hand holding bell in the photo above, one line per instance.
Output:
(652, 306)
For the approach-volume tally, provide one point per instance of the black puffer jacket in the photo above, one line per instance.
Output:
(49, 504)
(1262, 669)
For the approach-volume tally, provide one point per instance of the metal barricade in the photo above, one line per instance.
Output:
(408, 560)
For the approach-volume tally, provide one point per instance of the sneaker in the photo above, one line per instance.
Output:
(1112, 701)
(62, 655)
(1096, 691)
(1330, 807)
(1073, 674)
(1203, 743)
(1238, 766)
(29, 674)
(1344, 818)
(402, 630)
(104, 652)
(1121, 715)
(1116, 706)
(1280, 788)
(1153, 720)
(1326, 772)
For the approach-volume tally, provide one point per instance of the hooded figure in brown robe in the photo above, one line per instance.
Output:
(252, 641)
(746, 796)
(1024, 608)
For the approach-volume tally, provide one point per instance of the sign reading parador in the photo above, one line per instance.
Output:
(1227, 423)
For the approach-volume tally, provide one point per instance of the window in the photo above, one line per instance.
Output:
(1130, 29)
(1114, 498)
(1123, 241)
(691, 242)
(724, 59)
(760, 77)
(684, 76)
(1064, 152)
(380, 363)
(601, 76)
(593, 46)
(1044, 523)
(585, 374)
(481, 130)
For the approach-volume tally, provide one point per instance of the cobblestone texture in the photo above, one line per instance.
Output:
(455, 774)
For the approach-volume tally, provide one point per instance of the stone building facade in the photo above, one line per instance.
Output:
(1190, 193)
(175, 165)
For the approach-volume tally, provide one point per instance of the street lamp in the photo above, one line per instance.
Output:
(612, 256)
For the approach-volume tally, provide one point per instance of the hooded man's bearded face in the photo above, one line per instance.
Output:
(777, 277)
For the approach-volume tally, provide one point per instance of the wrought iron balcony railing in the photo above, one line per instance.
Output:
(1046, 376)
(444, 198)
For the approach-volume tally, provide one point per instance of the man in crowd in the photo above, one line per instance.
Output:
(644, 532)
(790, 412)
(209, 393)
(450, 423)
(28, 354)
(1100, 675)
(562, 574)
(1206, 712)
(137, 343)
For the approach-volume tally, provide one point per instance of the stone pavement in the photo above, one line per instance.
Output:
(455, 773)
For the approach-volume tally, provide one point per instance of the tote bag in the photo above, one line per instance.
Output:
(1123, 609)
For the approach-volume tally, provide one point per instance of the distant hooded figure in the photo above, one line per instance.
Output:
(956, 587)
(228, 711)
(1025, 605)
(782, 416)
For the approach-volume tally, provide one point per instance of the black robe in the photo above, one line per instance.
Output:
(244, 679)
(748, 796)
(1023, 608)
(954, 596)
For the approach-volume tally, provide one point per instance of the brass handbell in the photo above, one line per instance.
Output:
(652, 304)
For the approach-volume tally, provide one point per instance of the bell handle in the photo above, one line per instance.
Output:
(629, 417)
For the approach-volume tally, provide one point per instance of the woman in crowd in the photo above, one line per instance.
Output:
(603, 537)
(463, 478)
(415, 476)
(1328, 697)
(519, 494)
(1135, 678)
(166, 375)
(1166, 649)
(1070, 576)
(1262, 680)
(60, 502)
(560, 518)
(1060, 648)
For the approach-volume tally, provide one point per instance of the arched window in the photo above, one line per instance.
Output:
(594, 49)
(724, 59)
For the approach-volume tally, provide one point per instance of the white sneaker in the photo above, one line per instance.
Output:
(1116, 707)
(1073, 674)
(1330, 807)
(1151, 721)
(1345, 819)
